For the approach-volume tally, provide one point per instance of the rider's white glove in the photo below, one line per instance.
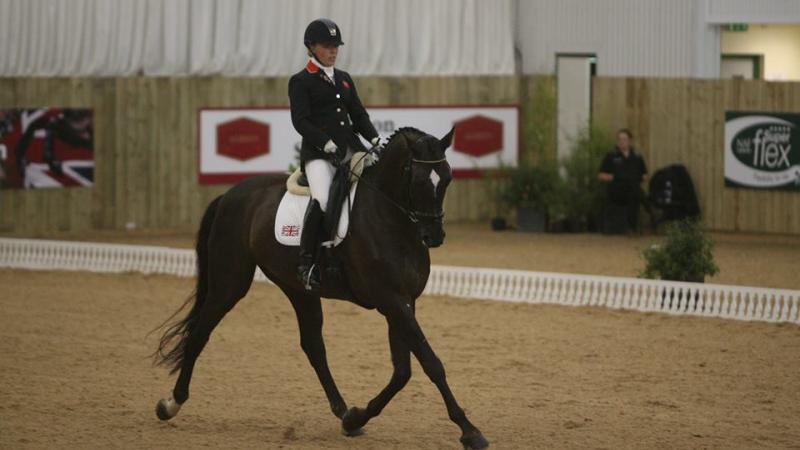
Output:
(370, 158)
(330, 147)
(373, 154)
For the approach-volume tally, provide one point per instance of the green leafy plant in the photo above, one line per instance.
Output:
(494, 186)
(686, 255)
(539, 119)
(582, 192)
(531, 186)
(533, 183)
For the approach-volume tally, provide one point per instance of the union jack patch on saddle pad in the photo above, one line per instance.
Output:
(289, 218)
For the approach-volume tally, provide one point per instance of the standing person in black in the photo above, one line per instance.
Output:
(624, 171)
(327, 113)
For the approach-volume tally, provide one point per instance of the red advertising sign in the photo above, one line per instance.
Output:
(478, 136)
(243, 139)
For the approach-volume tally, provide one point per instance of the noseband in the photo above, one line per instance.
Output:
(414, 214)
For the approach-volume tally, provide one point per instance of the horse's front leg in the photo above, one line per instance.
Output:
(308, 309)
(355, 418)
(411, 333)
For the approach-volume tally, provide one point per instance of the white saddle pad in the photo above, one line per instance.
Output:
(289, 219)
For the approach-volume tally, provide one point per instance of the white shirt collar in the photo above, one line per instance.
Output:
(328, 70)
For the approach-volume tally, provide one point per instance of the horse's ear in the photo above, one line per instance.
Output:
(447, 139)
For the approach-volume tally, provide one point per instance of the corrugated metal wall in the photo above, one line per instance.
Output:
(751, 11)
(642, 38)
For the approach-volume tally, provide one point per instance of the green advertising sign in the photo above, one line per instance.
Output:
(737, 27)
(762, 150)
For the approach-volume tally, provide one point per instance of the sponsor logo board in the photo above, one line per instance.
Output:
(761, 150)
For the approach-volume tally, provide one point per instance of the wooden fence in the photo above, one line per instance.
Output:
(683, 121)
(146, 142)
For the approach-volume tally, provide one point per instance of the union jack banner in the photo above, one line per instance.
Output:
(46, 148)
(290, 230)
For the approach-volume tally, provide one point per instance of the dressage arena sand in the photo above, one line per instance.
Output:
(74, 371)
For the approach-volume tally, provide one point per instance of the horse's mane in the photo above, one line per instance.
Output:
(409, 132)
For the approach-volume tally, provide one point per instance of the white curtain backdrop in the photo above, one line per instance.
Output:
(252, 37)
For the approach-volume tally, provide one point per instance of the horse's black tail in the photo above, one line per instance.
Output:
(172, 345)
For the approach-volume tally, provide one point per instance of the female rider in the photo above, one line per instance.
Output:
(327, 113)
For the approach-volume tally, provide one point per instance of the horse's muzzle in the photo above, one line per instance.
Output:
(432, 235)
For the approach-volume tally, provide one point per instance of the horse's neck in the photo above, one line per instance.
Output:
(382, 210)
(388, 173)
(388, 190)
(387, 204)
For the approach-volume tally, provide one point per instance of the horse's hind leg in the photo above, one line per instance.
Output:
(308, 309)
(355, 418)
(228, 283)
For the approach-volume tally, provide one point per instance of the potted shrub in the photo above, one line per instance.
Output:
(686, 255)
(531, 190)
(494, 182)
(583, 194)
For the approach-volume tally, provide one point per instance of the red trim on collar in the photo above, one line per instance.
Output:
(311, 67)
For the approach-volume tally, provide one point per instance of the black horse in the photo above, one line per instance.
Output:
(396, 217)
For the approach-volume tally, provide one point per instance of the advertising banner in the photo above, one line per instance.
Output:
(485, 136)
(46, 148)
(239, 143)
(762, 150)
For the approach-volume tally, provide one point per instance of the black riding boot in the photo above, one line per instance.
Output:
(307, 272)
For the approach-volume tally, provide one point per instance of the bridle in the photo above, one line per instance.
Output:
(413, 214)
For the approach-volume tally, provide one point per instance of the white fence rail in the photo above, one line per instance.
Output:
(731, 302)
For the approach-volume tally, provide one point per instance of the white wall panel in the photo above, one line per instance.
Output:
(574, 84)
(629, 37)
(753, 11)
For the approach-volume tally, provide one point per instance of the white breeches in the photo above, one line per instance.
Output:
(319, 173)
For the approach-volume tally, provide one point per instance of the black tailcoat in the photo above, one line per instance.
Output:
(323, 111)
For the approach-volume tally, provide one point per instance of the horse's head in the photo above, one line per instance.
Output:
(425, 175)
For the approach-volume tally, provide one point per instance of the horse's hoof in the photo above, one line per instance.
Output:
(474, 441)
(355, 433)
(352, 422)
(167, 409)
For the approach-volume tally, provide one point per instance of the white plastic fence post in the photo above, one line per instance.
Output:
(741, 303)
(793, 314)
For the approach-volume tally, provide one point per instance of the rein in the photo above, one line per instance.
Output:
(412, 214)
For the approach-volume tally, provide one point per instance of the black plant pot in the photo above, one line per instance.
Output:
(696, 278)
(531, 220)
(558, 226)
(576, 225)
(499, 224)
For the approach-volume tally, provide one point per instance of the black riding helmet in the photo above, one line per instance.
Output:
(322, 31)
